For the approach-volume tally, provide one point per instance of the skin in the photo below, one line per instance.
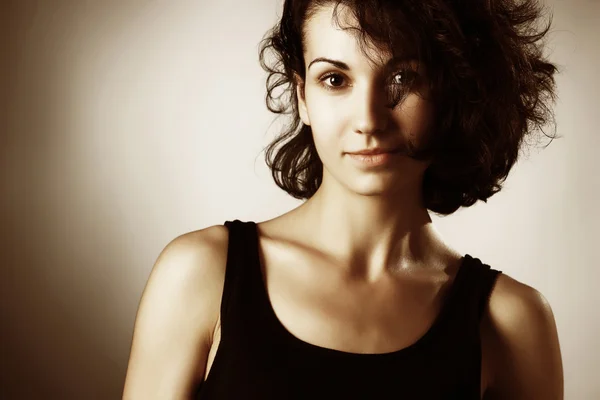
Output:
(373, 219)
(359, 267)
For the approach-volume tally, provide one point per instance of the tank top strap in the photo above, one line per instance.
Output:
(472, 292)
(239, 288)
(238, 255)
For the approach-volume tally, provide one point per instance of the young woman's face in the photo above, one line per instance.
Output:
(352, 105)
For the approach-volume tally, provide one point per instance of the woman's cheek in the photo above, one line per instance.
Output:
(329, 116)
(415, 118)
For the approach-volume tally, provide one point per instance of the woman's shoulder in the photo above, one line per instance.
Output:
(522, 341)
(189, 274)
(209, 241)
(190, 270)
(201, 239)
(511, 299)
(198, 255)
(177, 315)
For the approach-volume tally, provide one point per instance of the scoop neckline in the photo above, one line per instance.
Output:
(314, 348)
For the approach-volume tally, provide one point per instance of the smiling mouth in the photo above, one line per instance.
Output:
(374, 160)
(375, 151)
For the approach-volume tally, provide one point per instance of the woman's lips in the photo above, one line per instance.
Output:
(373, 160)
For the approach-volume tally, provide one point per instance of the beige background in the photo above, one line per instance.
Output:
(126, 123)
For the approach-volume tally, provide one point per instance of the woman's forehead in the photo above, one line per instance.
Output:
(337, 37)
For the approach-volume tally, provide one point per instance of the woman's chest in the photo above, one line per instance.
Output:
(323, 304)
(323, 311)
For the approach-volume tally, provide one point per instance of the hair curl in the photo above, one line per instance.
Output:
(491, 87)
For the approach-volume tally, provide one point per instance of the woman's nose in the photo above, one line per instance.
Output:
(370, 114)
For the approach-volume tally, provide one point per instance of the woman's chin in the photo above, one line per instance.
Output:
(377, 187)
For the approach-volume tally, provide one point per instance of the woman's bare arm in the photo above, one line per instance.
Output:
(525, 350)
(177, 316)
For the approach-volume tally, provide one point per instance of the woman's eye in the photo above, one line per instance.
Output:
(332, 81)
(402, 83)
(403, 77)
(398, 78)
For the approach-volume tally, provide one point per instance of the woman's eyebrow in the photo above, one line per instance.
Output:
(343, 66)
(339, 64)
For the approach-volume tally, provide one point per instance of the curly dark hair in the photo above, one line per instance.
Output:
(490, 84)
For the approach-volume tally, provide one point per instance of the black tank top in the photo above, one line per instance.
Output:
(258, 358)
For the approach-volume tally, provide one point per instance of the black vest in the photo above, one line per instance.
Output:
(258, 358)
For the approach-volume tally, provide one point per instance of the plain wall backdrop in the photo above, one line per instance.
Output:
(124, 124)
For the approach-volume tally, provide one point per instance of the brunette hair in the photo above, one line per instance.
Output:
(491, 85)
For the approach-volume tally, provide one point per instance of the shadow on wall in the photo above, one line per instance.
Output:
(63, 334)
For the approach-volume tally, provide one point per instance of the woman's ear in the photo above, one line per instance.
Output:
(300, 94)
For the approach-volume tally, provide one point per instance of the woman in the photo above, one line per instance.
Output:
(398, 109)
